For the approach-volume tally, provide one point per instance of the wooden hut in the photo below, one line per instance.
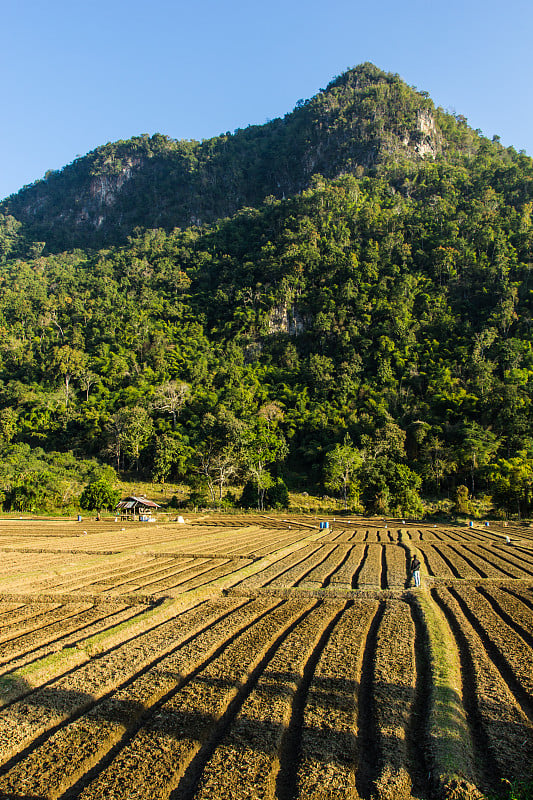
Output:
(134, 506)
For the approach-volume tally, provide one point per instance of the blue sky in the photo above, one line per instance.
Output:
(79, 74)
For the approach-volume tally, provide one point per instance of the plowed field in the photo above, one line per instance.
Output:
(264, 657)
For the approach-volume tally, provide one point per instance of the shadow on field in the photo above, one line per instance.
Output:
(379, 742)
(22, 796)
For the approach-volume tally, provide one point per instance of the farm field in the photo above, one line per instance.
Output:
(264, 657)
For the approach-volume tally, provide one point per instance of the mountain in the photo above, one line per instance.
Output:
(361, 120)
(354, 277)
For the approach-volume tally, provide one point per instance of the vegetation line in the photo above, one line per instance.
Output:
(484, 759)
(445, 735)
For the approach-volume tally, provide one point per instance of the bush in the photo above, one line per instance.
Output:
(249, 495)
(38, 492)
(462, 505)
(390, 487)
(229, 501)
(99, 495)
(276, 495)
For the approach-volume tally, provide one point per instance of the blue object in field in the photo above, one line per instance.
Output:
(471, 524)
(324, 525)
(79, 517)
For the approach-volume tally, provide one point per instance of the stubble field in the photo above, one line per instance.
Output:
(264, 657)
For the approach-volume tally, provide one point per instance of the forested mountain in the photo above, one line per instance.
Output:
(340, 298)
(360, 120)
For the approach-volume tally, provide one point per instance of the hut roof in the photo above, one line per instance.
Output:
(132, 502)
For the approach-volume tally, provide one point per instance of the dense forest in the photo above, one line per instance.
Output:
(338, 301)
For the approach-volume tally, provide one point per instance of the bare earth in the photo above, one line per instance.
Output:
(264, 657)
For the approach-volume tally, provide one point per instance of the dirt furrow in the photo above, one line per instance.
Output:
(147, 575)
(9, 611)
(221, 570)
(506, 648)
(501, 733)
(396, 565)
(477, 562)
(508, 565)
(437, 565)
(458, 565)
(328, 739)
(491, 564)
(367, 739)
(52, 622)
(71, 695)
(512, 611)
(514, 559)
(370, 573)
(79, 575)
(417, 733)
(521, 595)
(174, 743)
(55, 635)
(300, 571)
(321, 574)
(248, 756)
(259, 548)
(393, 700)
(51, 768)
(193, 571)
(31, 616)
(342, 577)
(278, 569)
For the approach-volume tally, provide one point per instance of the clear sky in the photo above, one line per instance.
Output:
(77, 74)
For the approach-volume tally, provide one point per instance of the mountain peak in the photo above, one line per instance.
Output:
(365, 117)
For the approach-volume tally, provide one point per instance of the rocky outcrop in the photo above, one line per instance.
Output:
(285, 318)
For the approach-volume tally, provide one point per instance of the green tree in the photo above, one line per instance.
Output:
(462, 504)
(70, 363)
(476, 449)
(340, 469)
(128, 431)
(261, 444)
(171, 454)
(511, 484)
(389, 487)
(99, 495)
(170, 397)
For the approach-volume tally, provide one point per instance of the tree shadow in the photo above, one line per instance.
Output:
(376, 746)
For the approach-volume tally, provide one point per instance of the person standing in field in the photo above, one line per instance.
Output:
(415, 570)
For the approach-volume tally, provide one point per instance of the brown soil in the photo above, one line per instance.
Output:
(128, 673)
